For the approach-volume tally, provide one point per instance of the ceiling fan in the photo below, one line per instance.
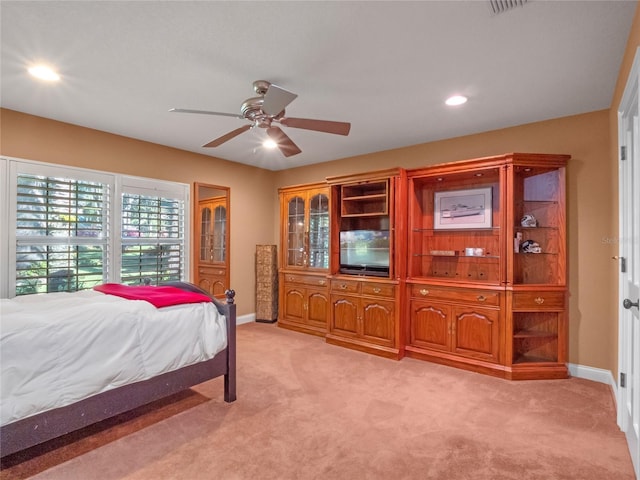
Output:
(265, 111)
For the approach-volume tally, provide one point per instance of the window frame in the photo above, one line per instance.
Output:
(117, 184)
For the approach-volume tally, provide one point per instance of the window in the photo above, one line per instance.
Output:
(61, 233)
(71, 229)
(152, 239)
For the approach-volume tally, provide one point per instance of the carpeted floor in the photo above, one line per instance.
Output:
(308, 410)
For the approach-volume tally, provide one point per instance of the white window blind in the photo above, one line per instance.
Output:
(71, 229)
(152, 239)
(61, 233)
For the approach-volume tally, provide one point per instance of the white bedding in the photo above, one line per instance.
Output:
(58, 348)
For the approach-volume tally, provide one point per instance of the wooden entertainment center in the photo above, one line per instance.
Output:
(461, 263)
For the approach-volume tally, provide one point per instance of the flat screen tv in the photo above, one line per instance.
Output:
(364, 252)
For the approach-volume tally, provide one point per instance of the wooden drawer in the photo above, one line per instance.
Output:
(467, 296)
(313, 280)
(378, 289)
(538, 300)
(211, 270)
(345, 286)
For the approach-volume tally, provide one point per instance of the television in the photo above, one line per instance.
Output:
(364, 252)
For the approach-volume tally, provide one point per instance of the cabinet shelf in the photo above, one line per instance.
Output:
(537, 202)
(456, 231)
(534, 334)
(541, 228)
(365, 199)
(458, 256)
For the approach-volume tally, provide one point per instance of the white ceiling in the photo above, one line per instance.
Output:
(386, 67)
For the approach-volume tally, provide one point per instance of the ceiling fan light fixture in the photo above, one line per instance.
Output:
(269, 144)
(44, 72)
(456, 100)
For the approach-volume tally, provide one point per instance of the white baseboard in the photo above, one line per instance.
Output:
(250, 317)
(595, 374)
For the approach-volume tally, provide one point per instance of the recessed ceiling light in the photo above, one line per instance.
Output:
(456, 100)
(44, 73)
(269, 144)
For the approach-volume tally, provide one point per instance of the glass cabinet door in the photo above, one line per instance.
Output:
(295, 254)
(206, 237)
(319, 231)
(219, 234)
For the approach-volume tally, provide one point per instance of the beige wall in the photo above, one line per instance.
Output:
(592, 193)
(252, 191)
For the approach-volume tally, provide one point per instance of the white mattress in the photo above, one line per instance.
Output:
(58, 348)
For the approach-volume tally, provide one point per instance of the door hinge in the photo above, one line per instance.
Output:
(623, 380)
(623, 265)
(623, 152)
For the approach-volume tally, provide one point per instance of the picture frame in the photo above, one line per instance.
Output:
(463, 209)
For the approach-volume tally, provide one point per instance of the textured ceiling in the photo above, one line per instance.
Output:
(386, 67)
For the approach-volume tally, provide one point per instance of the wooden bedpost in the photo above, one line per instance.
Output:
(230, 377)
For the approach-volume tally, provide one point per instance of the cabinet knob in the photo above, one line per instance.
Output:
(424, 292)
(322, 282)
(291, 278)
(376, 290)
(343, 286)
(539, 300)
(482, 298)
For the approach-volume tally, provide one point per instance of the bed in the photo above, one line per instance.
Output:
(94, 355)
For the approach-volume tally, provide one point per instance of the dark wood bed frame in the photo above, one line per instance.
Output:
(39, 428)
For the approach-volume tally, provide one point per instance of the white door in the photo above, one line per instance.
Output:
(629, 256)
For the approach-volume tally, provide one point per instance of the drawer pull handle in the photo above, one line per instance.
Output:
(291, 278)
(322, 282)
(539, 300)
(424, 292)
(481, 298)
(376, 290)
(343, 286)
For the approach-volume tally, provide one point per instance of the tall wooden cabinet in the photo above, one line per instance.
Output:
(463, 263)
(536, 314)
(486, 282)
(367, 262)
(304, 287)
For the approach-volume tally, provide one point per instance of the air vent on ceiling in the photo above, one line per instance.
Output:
(500, 6)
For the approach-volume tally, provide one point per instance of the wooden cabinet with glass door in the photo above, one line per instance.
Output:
(537, 267)
(211, 239)
(304, 258)
(487, 276)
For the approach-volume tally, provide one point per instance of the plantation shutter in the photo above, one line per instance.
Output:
(61, 233)
(152, 232)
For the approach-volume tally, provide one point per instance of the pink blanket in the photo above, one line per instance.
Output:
(157, 296)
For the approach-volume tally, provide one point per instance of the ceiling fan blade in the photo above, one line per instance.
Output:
(219, 141)
(285, 144)
(205, 112)
(276, 99)
(339, 128)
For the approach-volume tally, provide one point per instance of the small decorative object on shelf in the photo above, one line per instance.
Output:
(529, 221)
(444, 253)
(531, 246)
